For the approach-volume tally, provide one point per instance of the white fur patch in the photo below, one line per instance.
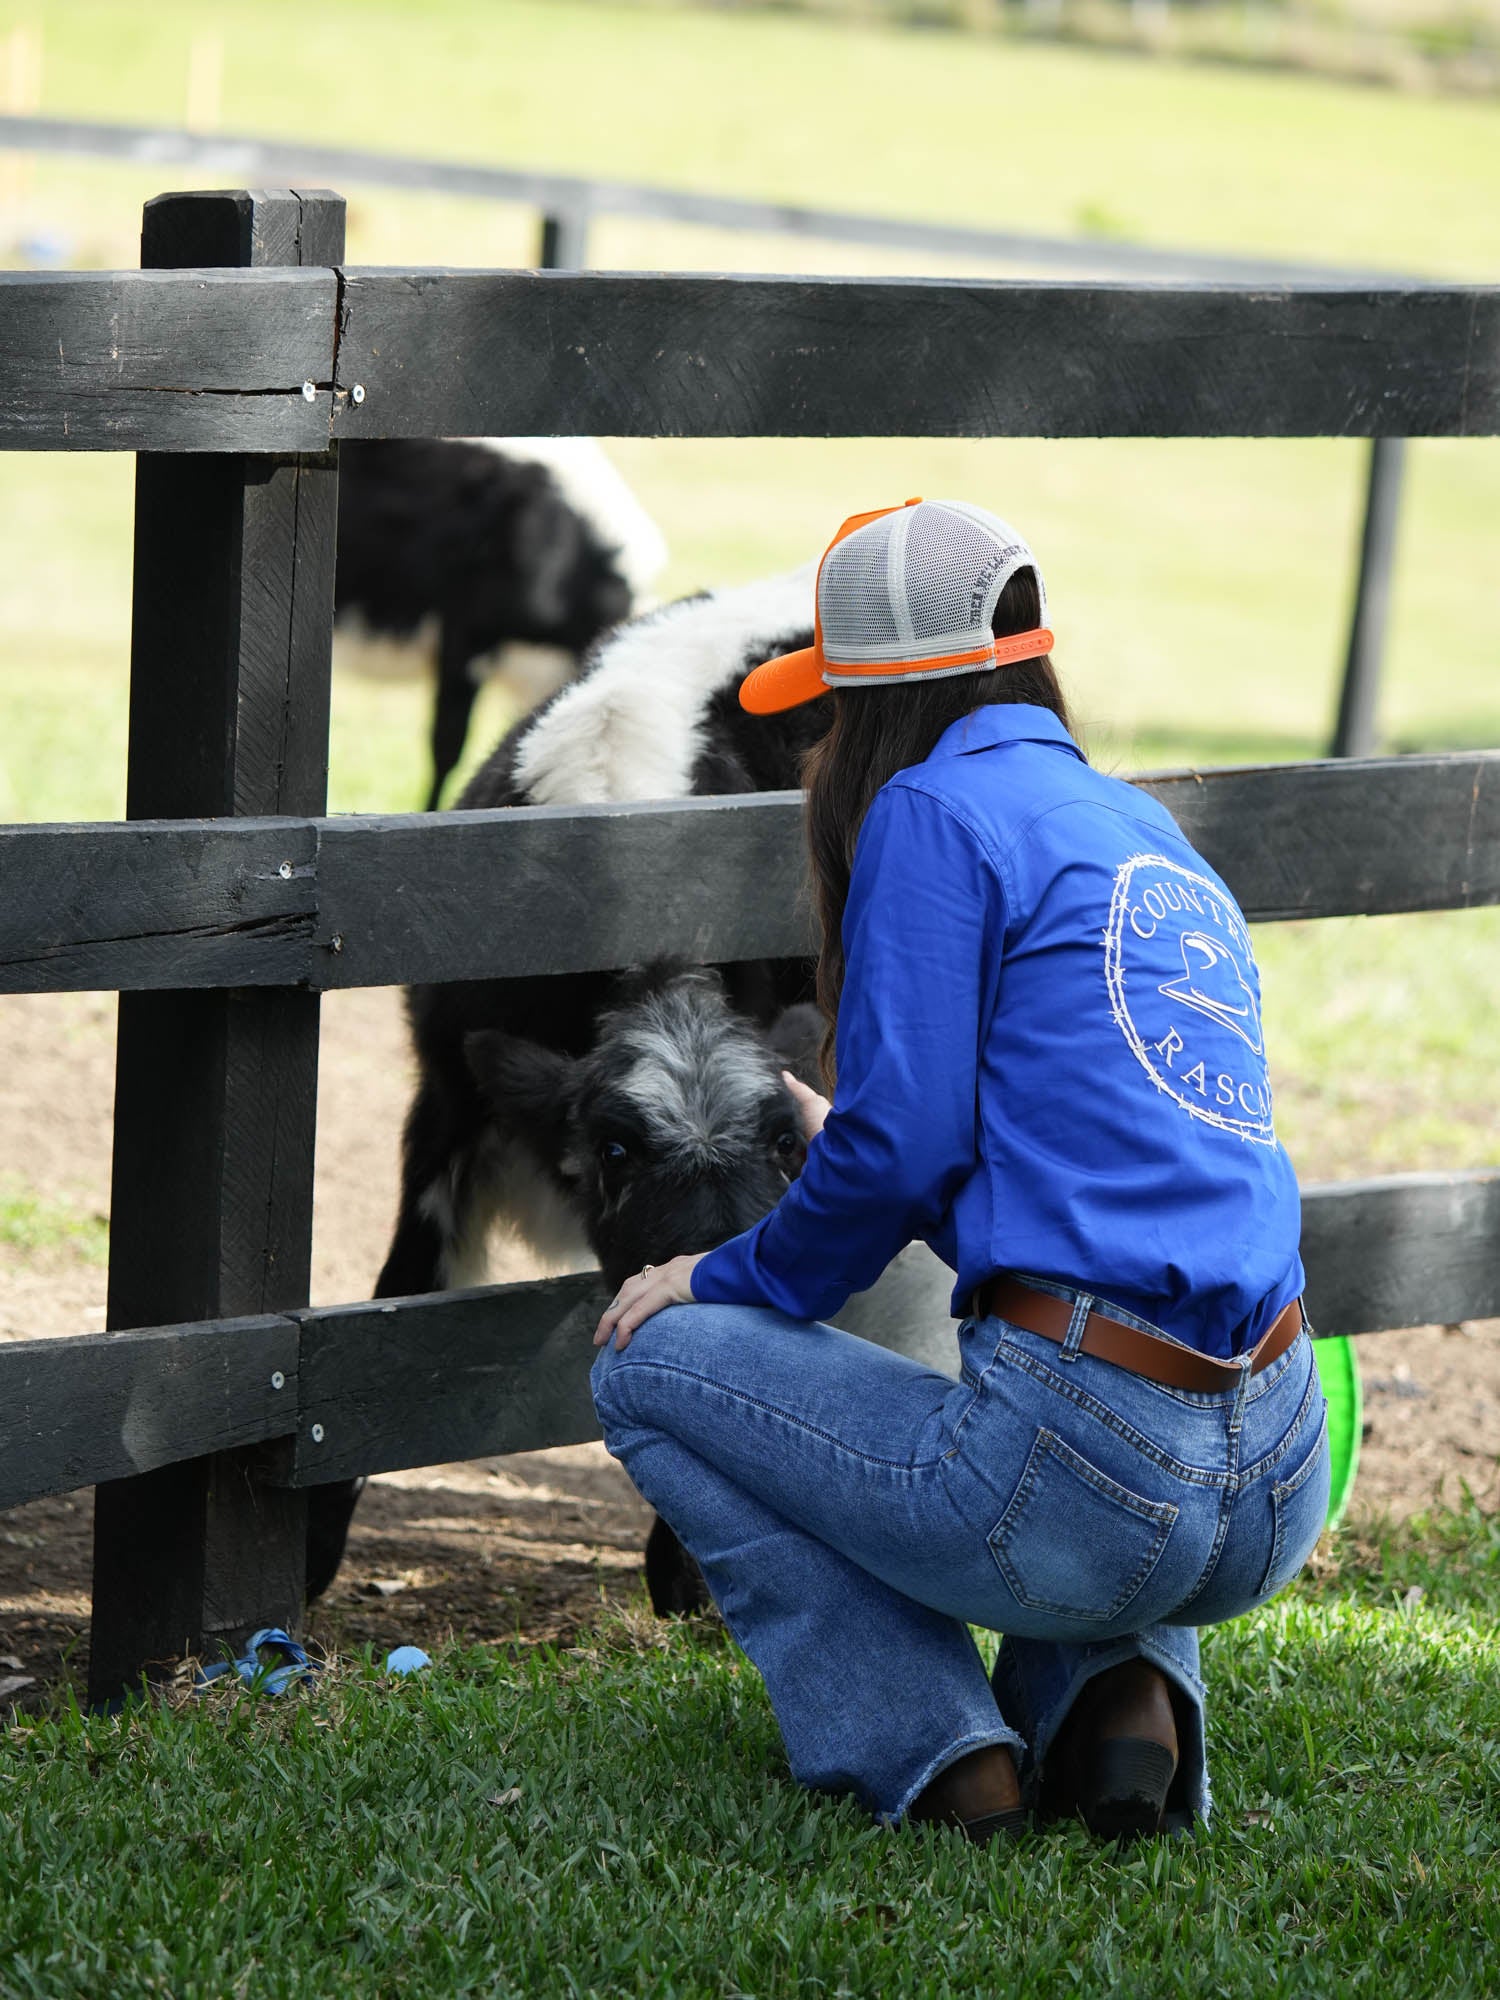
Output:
(509, 1185)
(632, 727)
(593, 486)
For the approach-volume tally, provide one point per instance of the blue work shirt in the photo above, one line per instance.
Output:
(1049, 1057)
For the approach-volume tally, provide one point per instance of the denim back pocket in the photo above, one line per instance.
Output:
(1073, 1540)
(1299, 1507)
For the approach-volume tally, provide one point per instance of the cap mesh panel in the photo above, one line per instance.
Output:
(951, 558)
(854, 600)
(950, 561)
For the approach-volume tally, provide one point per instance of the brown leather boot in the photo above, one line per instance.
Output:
(1116, 1755)
(979, 1794)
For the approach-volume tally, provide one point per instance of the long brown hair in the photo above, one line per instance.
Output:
(878, 731)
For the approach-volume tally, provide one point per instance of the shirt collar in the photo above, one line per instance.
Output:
(1000, 722)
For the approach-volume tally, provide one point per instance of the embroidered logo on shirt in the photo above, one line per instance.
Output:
(1196, 1032)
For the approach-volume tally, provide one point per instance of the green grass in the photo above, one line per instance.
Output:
(1412, 44)
(617, 1820)
(1385, 1041)
(33, 1225)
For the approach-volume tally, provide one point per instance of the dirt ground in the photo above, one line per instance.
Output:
(527, 1546)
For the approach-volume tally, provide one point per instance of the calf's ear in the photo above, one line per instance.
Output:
(528, 1088)
(796, 1037)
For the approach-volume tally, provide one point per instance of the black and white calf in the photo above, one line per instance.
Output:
(679, 1059)
(497, 543)
(624, 1118)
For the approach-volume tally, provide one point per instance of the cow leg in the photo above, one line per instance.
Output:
(450, 719)
(673, 1579)
(330, 1509)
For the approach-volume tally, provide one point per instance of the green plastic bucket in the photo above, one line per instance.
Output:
(1339, 1372)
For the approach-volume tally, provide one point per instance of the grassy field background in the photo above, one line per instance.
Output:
(801, 109)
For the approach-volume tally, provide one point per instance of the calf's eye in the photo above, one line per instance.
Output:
(786, 1144)
(612, 1153)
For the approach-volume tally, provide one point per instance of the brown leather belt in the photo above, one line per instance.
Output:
(1126, 1346)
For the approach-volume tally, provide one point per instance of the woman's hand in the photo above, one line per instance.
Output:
(811, 1109)
(655, 1286)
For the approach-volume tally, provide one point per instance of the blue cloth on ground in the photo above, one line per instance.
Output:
(272, 1662)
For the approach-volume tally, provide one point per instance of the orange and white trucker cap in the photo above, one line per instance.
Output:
(905, 593)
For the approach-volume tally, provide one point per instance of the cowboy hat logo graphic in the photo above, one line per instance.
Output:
(1212, 983)
(1196, 1032)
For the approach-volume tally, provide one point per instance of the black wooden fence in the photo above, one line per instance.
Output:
(227, 902)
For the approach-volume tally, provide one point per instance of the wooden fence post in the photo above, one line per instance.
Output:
(1354, 732)
(215, 1092)
(565, 241)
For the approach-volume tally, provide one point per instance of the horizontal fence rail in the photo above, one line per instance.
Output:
(108, 1405)
(375, 901)
(221, 360)
(217, 360)
(343, 1390)
(684, 356)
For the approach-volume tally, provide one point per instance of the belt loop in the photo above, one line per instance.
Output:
(1083, 1305)
(1241, 1390)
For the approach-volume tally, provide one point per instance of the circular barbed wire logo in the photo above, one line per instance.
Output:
(1196, 1032)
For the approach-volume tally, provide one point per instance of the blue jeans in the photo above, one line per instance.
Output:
(854, 1513)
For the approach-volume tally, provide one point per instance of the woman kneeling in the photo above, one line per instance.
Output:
(1046, 1061)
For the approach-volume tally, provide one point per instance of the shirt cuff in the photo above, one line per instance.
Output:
(734, 1275)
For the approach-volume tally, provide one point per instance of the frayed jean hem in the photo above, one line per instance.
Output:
(978, 1739)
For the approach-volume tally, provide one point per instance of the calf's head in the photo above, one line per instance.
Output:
(672, 1134)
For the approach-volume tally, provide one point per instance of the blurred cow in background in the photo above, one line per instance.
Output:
(471, 546)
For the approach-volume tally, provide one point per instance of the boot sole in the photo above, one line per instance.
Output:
(1128, 1793)
(1009, 1825)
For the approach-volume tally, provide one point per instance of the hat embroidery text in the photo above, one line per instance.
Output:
(990, 569)
(1183, 991)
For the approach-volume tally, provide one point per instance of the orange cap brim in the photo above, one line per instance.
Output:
(793, 678)
(785, 682)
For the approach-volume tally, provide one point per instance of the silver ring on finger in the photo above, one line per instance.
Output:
(646, 1268)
